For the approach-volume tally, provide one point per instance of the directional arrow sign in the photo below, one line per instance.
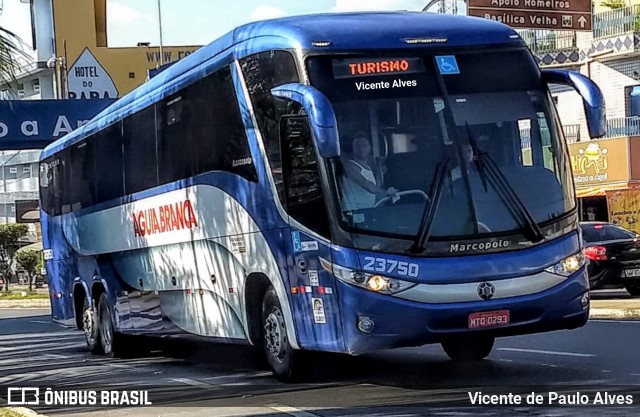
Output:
(582, 20)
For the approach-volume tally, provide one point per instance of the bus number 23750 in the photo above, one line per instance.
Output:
(390, 266)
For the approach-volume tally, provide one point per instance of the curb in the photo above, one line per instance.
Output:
(614, 313)
(36, 303)
(22, 411)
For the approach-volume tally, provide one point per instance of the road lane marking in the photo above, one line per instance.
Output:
(192, 382)
(549, 352)
(296, 412)
(40, 321)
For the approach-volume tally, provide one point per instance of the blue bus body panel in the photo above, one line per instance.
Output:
(399, 322)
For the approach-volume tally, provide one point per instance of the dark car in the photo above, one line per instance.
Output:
(614, 256)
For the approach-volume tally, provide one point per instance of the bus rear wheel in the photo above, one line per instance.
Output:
(283, 359)
(468, 350)
(110, 340)
(90, 327)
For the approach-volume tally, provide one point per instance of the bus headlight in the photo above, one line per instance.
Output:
(372, 282)
(568, 265)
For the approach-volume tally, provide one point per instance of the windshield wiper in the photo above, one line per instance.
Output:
(429, 213)
(486, 165)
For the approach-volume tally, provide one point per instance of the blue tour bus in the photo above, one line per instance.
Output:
(336, 182)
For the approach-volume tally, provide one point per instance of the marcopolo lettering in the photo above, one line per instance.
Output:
(480, 246)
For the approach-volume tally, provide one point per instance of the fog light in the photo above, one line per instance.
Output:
(365, 324)
(585, 300)
(359, 278)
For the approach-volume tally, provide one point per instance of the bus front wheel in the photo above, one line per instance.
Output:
(468, 350)
(283, 359)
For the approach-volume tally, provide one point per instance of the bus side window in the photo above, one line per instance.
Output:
(262, 72)
(303, 190)
(139, 140)
(109, 163)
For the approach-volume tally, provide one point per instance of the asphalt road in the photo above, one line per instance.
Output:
(205, 379)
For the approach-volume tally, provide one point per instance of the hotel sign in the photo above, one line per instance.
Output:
(536, 14)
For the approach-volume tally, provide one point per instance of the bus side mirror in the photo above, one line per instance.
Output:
(591, 97)
(321, 115)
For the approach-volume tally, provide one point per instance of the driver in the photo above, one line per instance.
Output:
(360, 188)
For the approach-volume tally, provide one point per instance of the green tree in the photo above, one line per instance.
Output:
(614, 4)
(9, 235)
(28, 260)
(11, 48)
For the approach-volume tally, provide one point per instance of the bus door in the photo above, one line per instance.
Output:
(312, 289)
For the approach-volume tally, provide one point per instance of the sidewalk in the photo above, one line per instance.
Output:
(615, 309)
(27, 302)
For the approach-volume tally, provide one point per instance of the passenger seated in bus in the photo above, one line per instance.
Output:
(360, 187)
(466, 162)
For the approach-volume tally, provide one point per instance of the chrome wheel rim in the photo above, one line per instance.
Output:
(88, 325)
(275, 335)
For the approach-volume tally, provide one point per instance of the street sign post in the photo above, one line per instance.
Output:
(536, 14)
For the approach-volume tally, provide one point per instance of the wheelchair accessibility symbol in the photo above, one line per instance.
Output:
(447, 65)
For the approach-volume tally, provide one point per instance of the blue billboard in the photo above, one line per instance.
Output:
(33, 124)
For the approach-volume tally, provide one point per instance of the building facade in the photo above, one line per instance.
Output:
(72, 60)
(610, 56)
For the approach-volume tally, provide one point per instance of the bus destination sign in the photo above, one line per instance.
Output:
(536, 14)
(351, 68)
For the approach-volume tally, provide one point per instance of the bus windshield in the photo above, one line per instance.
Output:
(468, 141)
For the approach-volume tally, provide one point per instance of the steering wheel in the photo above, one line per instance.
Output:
(483, 228)
(401, 193)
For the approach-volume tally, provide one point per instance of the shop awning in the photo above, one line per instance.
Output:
(600, 189)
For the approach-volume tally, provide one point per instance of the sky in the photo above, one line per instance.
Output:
(196, 22)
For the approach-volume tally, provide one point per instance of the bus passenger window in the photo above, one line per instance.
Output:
(262, 72)
(303, 189)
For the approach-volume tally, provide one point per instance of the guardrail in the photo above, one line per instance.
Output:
(623, 126)
(549, 40)
(571, 133)
(616, 22)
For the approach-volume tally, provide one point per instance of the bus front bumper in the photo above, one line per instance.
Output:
(388, 322)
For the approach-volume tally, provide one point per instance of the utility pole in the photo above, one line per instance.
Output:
(160, 27)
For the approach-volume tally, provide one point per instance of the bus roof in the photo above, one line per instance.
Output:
(344, 31)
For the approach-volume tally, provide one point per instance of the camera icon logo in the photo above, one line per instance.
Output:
(23, 396)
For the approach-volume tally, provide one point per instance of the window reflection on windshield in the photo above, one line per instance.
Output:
(394, 139)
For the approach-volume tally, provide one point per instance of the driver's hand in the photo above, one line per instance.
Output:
(391, 192)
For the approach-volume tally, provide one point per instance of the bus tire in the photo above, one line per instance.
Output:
(468, 350)
(284, 360)
(110, 340)
(90, 328)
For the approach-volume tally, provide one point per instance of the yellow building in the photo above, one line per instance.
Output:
(92, 69)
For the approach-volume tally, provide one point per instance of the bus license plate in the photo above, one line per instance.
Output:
(629, 273)
(488, 319)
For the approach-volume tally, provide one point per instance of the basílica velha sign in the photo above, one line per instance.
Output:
(33, 124)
